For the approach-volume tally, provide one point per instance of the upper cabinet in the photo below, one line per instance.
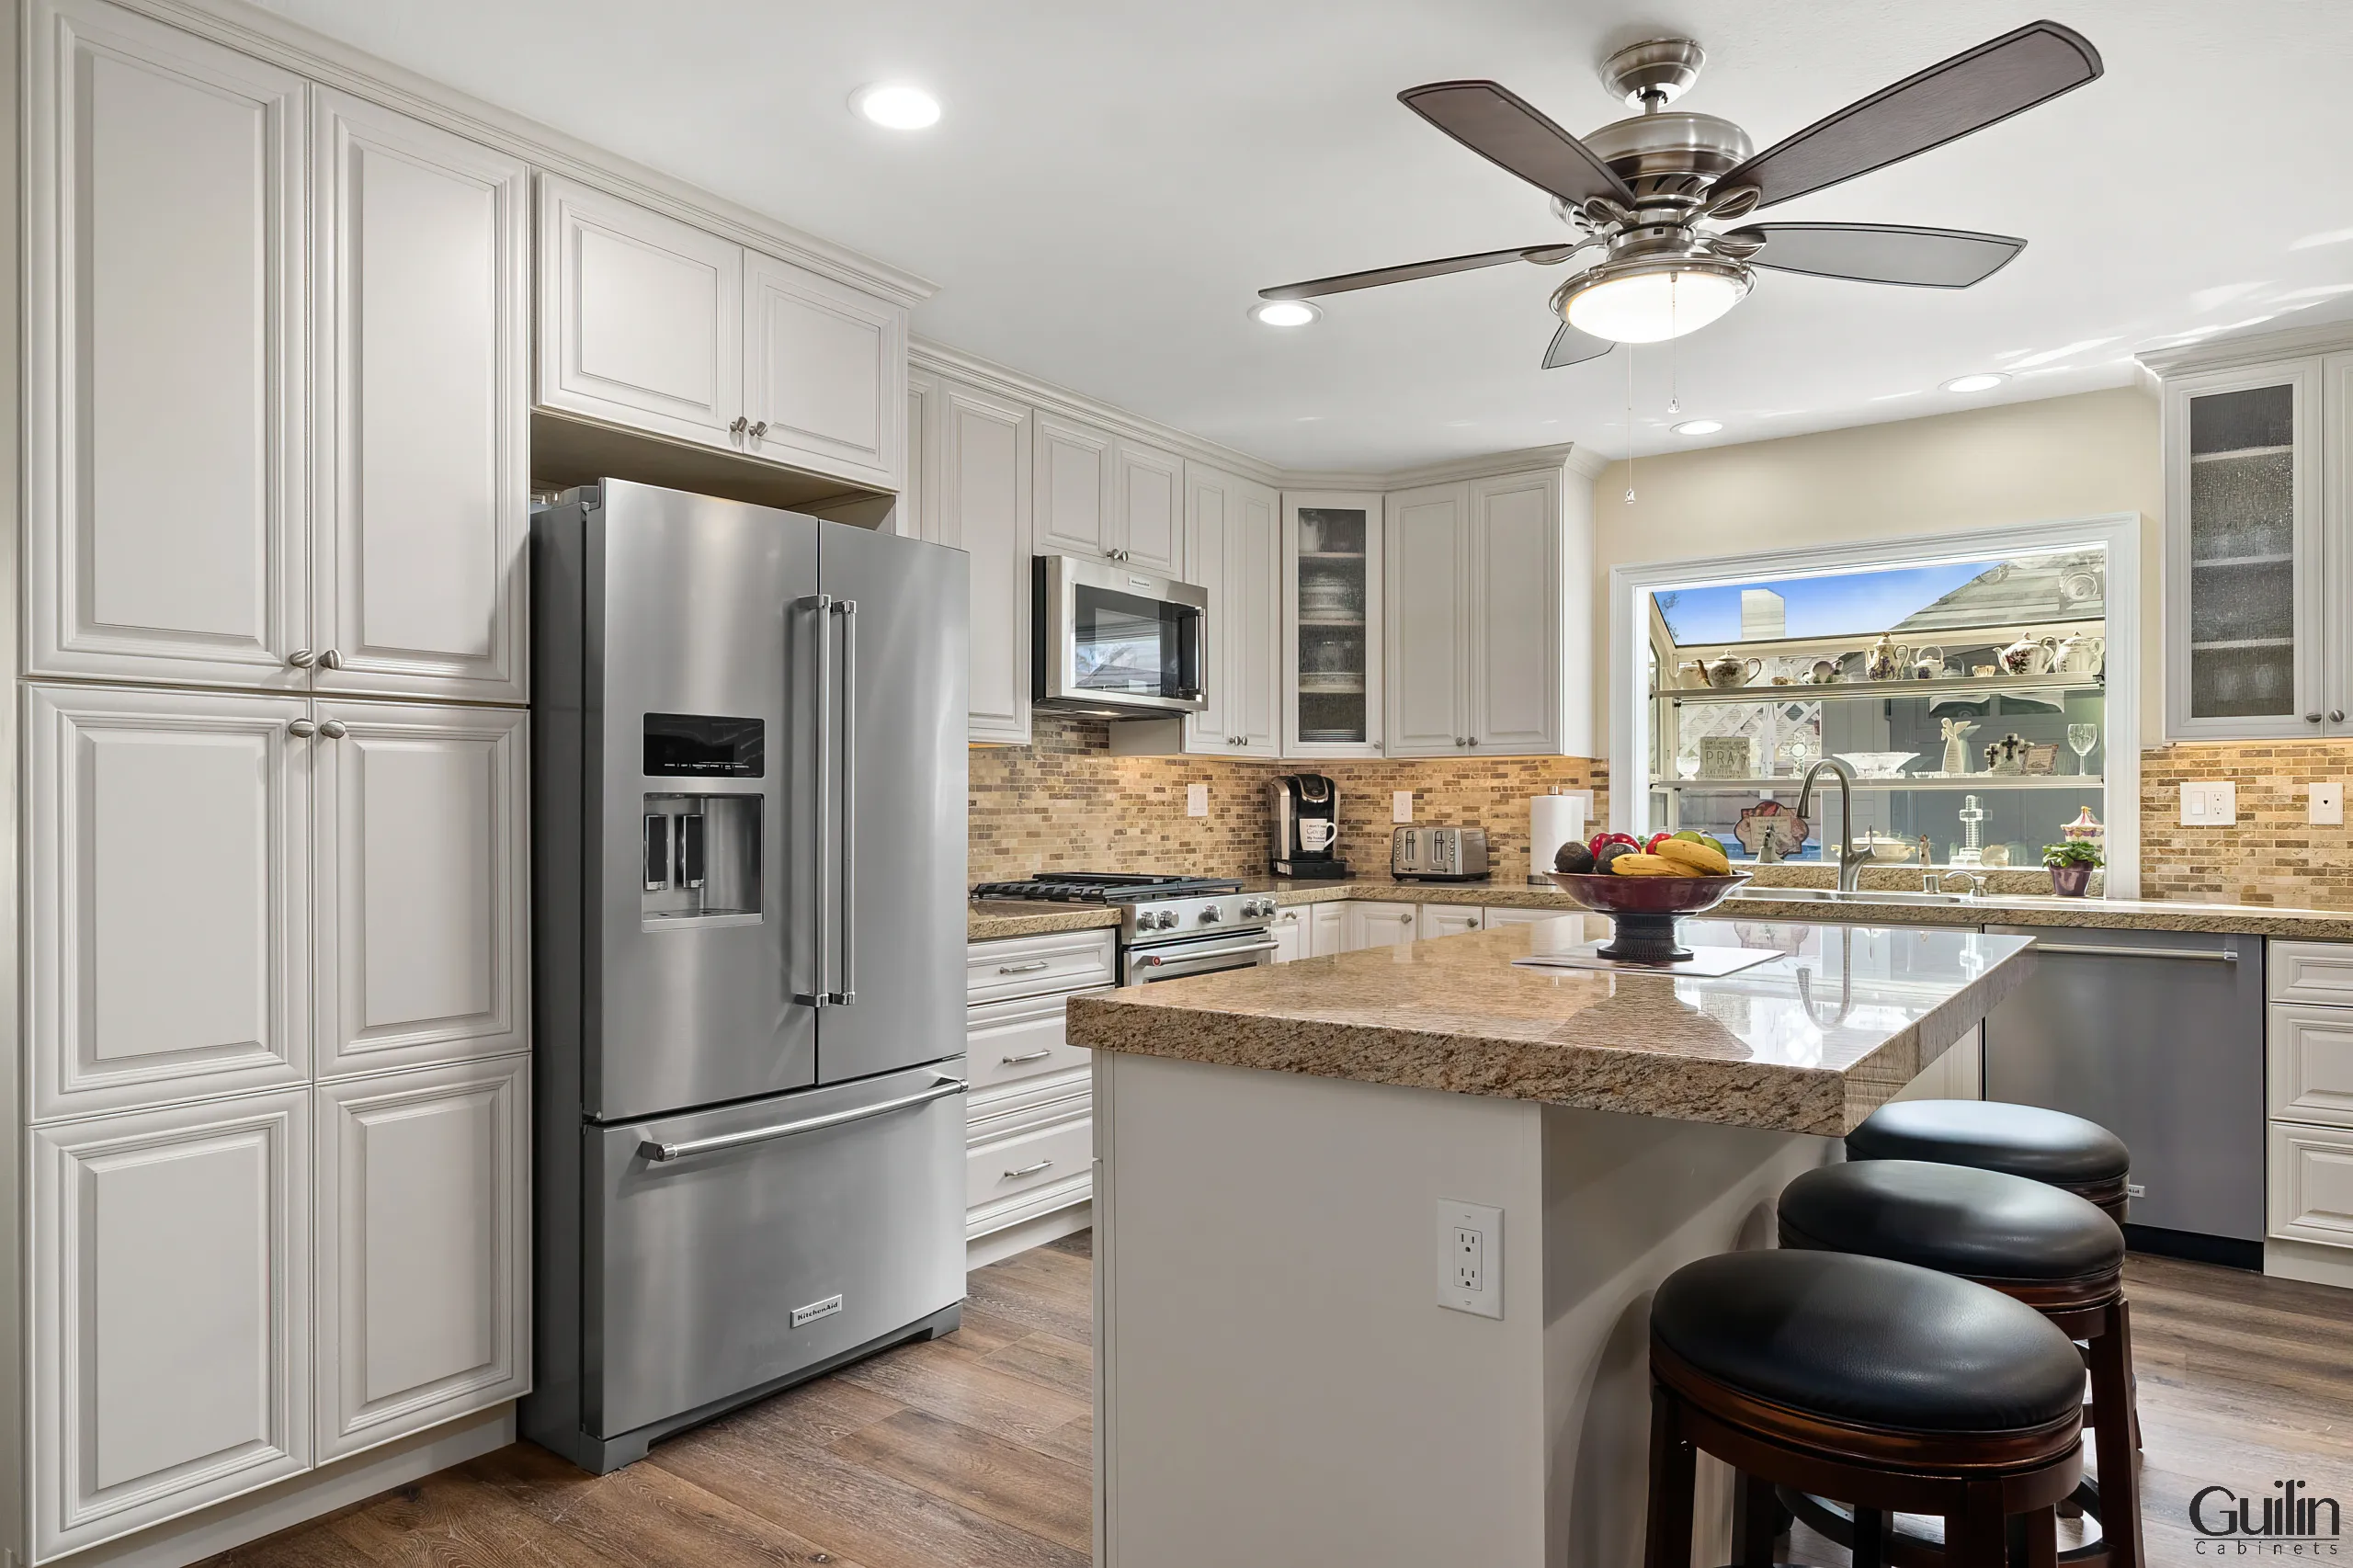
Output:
(167, 538)
(1478, 601)
(656, 325)
(1233, 539)
(1331, 568)
(1100, 495)
(980, 505)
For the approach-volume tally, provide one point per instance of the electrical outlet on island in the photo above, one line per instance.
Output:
(1470, 1258)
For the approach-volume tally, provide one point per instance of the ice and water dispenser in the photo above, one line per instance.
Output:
(702, 839)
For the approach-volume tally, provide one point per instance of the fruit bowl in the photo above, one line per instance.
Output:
(1642, 910)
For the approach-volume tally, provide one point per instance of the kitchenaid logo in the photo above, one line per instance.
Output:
(2287, 1522)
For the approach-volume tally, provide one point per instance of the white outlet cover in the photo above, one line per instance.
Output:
(2222, 806)
(1196, 800)
(1470, 1258)
(2324, 804)
(1401, 805)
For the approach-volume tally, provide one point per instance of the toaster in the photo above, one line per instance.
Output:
(1439, 854)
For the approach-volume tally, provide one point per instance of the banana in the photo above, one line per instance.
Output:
(1706, 862)
(1650, 866)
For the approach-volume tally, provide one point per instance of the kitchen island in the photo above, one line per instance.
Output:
(1280, 1152)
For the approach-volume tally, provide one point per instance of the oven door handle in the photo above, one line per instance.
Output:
(661, 1152)
(1154, 960)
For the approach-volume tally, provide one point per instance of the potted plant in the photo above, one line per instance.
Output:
(2071, 865)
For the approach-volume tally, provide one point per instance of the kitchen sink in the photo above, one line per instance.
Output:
(1833, 895)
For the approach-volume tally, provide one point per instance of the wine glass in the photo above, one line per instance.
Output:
(2081, 739)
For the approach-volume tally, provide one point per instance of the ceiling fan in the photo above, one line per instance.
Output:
(1638, 191)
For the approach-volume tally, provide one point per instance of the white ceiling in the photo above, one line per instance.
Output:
(1113, 180)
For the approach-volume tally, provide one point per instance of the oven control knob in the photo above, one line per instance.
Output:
(1257, 911)
(1211, 916)
(1160, 922)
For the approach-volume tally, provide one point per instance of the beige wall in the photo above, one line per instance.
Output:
(2021, 462)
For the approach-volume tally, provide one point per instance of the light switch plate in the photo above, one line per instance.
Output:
(2210, 804)
(1401, 805)
(1196, 800)
(2324, 803)
(1470, 1258)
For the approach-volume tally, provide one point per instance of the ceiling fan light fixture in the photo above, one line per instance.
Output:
(896, 105)
(1984, 382)
(1699, 427)
(1284, 312)
(1652, 300)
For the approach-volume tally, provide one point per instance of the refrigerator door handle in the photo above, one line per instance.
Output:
(847, 610)
(662, 1153)
(817, 995)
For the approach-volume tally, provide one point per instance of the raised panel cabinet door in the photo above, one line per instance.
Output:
(1148, 500)
(1077, 514)
(1327, 928)
(1381, 924)
(1448, 920)
(640, 317)
(983, 510)
(1512, 629)
(825, 374)
(1253, 624)
(917, 513)
(1209, 502)
(171, 1312)
(168, 930)
(421, 879)
(422, 1271)
(1290, 934)
(164, 531)
(1427, 571)
(423, 400)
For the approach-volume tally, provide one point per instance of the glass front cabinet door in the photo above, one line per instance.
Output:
(2248, 604)
(1331, 624)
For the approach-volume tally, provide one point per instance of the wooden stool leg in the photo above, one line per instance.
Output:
(2043, 1538)
(1673, 1474)
(1870, 1538)
(1756, 1521)
(1975, 1536)
(2113, 1439)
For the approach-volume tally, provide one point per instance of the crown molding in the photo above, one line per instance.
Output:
(264, 34)
(2254, 348)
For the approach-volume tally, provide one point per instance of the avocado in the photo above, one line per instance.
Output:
(1574, 859)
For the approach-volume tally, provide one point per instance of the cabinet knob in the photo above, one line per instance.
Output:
(329, 660)
(739, 428)
(1475, 740)
(759, 430)
(2336, 715)
(334, 729)
(301, 658)
(302, 729)
(2312, 718)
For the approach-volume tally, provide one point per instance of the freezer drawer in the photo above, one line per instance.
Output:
(2159, 1038)
(742, 1246)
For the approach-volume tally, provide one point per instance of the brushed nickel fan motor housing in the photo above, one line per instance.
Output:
(1655, 72)
(1671, 145)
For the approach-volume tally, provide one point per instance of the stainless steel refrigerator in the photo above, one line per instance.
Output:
(748, 896)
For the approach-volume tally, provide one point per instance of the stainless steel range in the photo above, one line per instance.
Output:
(1170, 927)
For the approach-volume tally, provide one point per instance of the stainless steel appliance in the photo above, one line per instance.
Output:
(1116, 642)
(749, 803)
(1170, 927)
(1306, 815)
(2158, 1037)
(1439, 854)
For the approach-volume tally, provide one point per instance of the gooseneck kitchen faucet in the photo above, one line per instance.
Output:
(1850, 865)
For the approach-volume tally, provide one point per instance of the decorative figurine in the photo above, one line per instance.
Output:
(1957, 734)
(2006, 756)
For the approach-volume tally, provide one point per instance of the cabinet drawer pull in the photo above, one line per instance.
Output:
(1025, 1056)
(1032, 967)
(1029, 1170)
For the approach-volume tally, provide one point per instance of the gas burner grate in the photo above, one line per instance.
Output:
(1106, 887)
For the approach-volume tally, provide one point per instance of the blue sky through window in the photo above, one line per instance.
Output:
(1849, 604)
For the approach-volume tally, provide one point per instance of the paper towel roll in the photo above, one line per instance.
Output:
(1552, 821)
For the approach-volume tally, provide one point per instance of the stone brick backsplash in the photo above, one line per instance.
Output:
(2272, 855)
(1064, 802)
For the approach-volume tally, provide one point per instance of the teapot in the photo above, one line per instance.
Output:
(2082, 655)
(1728, 671)
(1927, 663)
(2030, 656)
(1824, 673)
(1886, 659)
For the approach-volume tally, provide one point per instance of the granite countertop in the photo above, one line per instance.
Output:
(1810, 1041)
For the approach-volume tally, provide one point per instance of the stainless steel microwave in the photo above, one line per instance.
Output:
(1116, 642)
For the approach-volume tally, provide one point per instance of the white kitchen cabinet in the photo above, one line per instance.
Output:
(2310, 1075)
(1331, 663)
(165, 427)
(1029, 1141)
(421, 316)
(1233, 541)
(823, 370)
(1475, 611)
(2311, 1184)
(169, 895)
(1290, 930)
(1495, 917)
(1327, 930)
(1448, 920)
(423, 877)
(1020, 1042)
(983, 508)
(422, 1271)
(917, 516)
(1100, 495)
(170, 1295)
(1012, 967)
(1374, 922)
(1147, 492)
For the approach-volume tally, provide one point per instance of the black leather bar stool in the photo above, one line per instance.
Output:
(2040, 1246)
(2048, 1146)
(1893, 1387)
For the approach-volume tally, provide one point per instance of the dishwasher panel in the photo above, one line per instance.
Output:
(2158, 1037)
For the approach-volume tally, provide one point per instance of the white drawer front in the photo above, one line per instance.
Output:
(999, 1170)
(2311, 972)
(1028, 966)
(1008, 1041)
(2311, 1184)
(2311, 1076)
(1449, 920)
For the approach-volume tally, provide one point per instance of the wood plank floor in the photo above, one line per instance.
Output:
(973, 1451)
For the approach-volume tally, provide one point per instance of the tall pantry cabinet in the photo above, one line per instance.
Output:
(274, 752)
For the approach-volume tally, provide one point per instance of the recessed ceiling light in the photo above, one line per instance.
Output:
(1987, 382)
(1284, 312)
(896, 105)
(1699, 426)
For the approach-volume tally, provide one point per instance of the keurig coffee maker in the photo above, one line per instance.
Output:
(1307, 826)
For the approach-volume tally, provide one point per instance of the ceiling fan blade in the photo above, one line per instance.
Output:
(1506, 131)
(1316, 287)
(1882, 253)
(1569, 346)
(1975, 88)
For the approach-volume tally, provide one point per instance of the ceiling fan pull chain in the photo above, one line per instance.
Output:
(1630, 425)
(1673, 397)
